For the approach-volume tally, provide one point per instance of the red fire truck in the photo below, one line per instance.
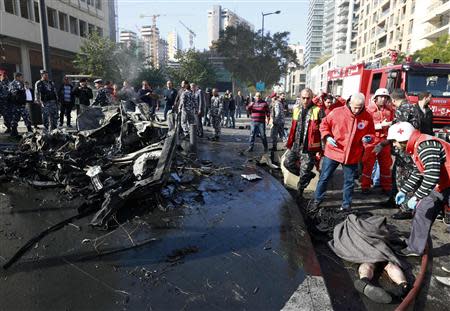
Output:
(414, 78)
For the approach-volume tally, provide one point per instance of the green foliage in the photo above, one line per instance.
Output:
(251, 58)
(97, 57)
(195, 67)
(439, 49)
(155, 77)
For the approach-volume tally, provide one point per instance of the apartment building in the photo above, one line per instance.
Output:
(345, 26)
(128, 38)
(384, 25)
(314, 32)
(329, 27)
(296, 75)
(69, 21)
(431, 20)
(174, 45)
(219, 19)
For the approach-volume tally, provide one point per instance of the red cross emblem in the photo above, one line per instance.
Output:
(400, 131)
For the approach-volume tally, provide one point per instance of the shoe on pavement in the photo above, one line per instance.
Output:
(402, 215)
(374, 293)
(406, 252)
(443, 280)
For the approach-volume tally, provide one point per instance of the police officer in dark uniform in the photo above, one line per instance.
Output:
(5, 107)
(45, 94)
(18, 100)
(103, 97)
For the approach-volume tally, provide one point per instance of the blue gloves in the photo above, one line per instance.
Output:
(400, 198)
(412, 203)
(331, 141)
(367, 139)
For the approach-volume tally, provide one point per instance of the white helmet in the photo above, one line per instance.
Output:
(381, 92)
(400, 132)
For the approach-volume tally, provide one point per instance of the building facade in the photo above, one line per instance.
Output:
(174, 45)
(128, 38)
(431, 20)
(345, 26)
(319, 74)
(69, 22)
(314, 32)
(296, 75)
(219, 19)
(384, 25)
(328, 27)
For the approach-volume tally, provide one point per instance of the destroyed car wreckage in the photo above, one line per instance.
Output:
(116, 159)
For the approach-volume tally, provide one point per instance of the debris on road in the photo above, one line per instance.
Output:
(251, 177)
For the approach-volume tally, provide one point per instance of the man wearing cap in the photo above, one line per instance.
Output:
(46, 96)
(18, 100)
(5, 107)
(304, 139)
(103, 97)
(382, 118)
(429, 181)
(345, 130)
(84, 94)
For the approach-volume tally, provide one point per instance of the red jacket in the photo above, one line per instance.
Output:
(348, 130)
(411, 148)
(379, 115)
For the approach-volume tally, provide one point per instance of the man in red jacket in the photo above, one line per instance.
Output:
(382, 118)
(346, 129)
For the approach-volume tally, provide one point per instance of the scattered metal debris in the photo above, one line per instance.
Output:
(251, 177)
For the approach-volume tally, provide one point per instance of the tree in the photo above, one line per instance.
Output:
(97, 57)
(155, 77)
(195, 67)
(439, 49)
(251, 58)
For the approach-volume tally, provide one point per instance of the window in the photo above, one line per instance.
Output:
(24, 12)
(98, 4)
(36, 12)
(91, 29)
(63, 22)
(376, 79)
(51, 16)
(100, 31)
(73, 25)
(83, 28)
(10, 6)
(410, 26)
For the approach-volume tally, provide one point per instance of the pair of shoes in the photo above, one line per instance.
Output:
(406, 252)
(402, 215)
(374, 293)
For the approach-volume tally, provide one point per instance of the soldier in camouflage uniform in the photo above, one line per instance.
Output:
(188, 109)
(103, 97)
(277, 112)
(299, 148)
(18, 102)
(215, 113)
(46, 96)
(5, 107)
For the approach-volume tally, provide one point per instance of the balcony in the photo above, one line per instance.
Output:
(434, 32)
(437, 9)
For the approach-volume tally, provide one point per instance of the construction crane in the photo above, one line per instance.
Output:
(191, 35)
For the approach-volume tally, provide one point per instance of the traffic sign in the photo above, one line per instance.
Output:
(260, 86)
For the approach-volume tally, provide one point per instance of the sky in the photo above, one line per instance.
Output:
(193, 13)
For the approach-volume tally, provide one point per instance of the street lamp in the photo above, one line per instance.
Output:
(262, 30)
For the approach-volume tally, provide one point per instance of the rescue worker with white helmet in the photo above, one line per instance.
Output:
(429, 181)
(382, 118)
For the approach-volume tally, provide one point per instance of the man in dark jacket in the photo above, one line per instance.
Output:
(45, 94)
(66, 101)
(425, 114)
(5, 107)
(84, 94)
(18, 100)
(260, 111)
(146, 95)
(170, 95)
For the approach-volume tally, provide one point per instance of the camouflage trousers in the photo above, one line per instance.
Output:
(402, 172)
(50, 113)
(307, 161)
(20, 112)
(276, 131)
(6, 112)
(187, 118)
(215, 122)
